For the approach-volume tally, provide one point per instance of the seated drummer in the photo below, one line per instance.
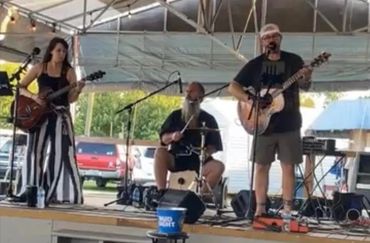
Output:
(180, 151)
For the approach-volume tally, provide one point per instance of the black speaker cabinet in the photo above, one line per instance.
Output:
(184, 199)
(240, 204)
(316, 207)
(364, 163)
(347, 205)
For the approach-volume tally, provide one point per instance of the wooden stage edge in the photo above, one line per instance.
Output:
(111, 219)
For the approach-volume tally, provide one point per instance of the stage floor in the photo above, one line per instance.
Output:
(209, 224)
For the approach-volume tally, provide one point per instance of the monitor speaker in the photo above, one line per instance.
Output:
(184, 199)
(240, 204)
(347, 206)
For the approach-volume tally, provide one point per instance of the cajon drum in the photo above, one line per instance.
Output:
(182, 180)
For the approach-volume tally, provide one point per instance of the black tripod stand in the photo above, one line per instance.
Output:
(125, 197)
(255, 110)
(5, 90)
(218, 203)
(14, 115)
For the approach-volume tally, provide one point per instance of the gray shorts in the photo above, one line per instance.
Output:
(287, 146)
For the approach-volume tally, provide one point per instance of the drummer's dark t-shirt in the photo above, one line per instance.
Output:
(192, 138)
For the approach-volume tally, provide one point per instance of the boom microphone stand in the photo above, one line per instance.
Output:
(125, 198)
(14, 117)
(215, 90)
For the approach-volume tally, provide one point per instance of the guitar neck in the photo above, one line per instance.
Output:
(96, 75)
(294, 78)
(286, 84)
(59, 92)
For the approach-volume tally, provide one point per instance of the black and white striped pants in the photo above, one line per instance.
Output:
(51, 159)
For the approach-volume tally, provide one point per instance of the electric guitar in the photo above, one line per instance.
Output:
(30, 113)
(247, 115)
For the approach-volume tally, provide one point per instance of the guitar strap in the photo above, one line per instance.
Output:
(44, 69)
(63, 75)
(268, 88)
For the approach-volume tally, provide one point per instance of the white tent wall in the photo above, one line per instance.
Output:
(237, 146)
(236, 143)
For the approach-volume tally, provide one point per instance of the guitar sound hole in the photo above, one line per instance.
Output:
(181, 181)
(266, 101)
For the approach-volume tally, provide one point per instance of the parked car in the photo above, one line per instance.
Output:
(101, 161)
(143, 170)
(19, 156)
(4, 138)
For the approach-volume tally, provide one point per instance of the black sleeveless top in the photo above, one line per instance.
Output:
(47, 82)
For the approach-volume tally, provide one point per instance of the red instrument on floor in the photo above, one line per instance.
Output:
(276, 224)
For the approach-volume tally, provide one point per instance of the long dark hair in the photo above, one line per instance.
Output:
(48, 56)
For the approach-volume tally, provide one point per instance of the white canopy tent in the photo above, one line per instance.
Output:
(205, 40)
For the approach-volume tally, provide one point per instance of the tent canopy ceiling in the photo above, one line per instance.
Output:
(142, 51)
(340, 15)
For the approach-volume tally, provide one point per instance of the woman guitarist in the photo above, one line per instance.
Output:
(51, 161)
(282, 136)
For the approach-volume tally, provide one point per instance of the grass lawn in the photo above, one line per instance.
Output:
(90, 185)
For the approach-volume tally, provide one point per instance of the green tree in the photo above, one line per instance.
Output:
(331, 96)
(306, 101)
(147, 118)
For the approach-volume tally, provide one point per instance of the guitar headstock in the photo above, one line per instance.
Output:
(95, 75)
(320, 59)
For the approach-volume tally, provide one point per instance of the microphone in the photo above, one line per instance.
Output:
(272, 46)
(25, 63)
(179, 81)
(35, 51)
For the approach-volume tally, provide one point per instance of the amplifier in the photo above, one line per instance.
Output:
(311, 144)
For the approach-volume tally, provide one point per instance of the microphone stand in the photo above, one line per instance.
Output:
(256, 109)
(215, 90)
(125, 196)
(219, 211)
(14, 117)
(256, 105)
(256, 97)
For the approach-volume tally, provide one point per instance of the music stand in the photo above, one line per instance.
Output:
(5, 87)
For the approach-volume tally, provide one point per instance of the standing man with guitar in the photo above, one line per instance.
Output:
(180, 138)
(282, 134)
(51, 160)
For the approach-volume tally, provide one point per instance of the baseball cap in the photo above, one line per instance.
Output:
(269, 29)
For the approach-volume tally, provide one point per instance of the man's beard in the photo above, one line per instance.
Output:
(273, 47)
(189, 109)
